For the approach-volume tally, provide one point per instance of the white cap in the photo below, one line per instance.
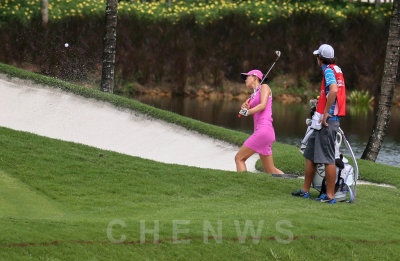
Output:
(325, 51)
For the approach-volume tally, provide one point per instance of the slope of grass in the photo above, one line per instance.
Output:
(17, 199)
(92, 188)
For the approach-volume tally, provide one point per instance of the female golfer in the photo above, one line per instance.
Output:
(259, 105)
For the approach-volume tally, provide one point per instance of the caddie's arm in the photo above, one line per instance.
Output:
(333, 89)
(264, 94)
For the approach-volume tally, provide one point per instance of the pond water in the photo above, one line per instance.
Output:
(289, 121)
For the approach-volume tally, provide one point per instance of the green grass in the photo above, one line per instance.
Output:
(60, 197)
(17, 199)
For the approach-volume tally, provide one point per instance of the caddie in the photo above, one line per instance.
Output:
(331, 108)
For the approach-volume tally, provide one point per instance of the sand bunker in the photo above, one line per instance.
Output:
(57, 114)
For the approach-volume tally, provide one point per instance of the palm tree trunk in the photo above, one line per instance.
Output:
(387, 87)
(109, 42)
(44, 10)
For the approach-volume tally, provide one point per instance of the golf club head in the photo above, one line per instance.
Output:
(278, 54)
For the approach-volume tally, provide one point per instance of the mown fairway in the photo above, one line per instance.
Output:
(57, 200)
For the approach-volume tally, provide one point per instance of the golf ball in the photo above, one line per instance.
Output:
(66, 44)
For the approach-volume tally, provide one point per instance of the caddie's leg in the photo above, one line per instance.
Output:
(330, 175)
(309, 175)
(243, 154)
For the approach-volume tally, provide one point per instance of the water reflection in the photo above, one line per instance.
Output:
(360, 110)
(289, 121)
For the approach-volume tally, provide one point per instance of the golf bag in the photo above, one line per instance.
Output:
(346, 174)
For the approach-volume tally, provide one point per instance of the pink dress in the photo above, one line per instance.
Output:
(264, 135)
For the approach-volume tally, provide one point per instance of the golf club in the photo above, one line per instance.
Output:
(278, 55)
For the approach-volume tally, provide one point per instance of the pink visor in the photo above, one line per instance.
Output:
(257, 73)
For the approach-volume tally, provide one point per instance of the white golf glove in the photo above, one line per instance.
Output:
(244, 112)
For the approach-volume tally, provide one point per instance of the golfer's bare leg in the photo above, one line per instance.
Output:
(309, 175)
(330, 176)
(268, 164)
(243, 154)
